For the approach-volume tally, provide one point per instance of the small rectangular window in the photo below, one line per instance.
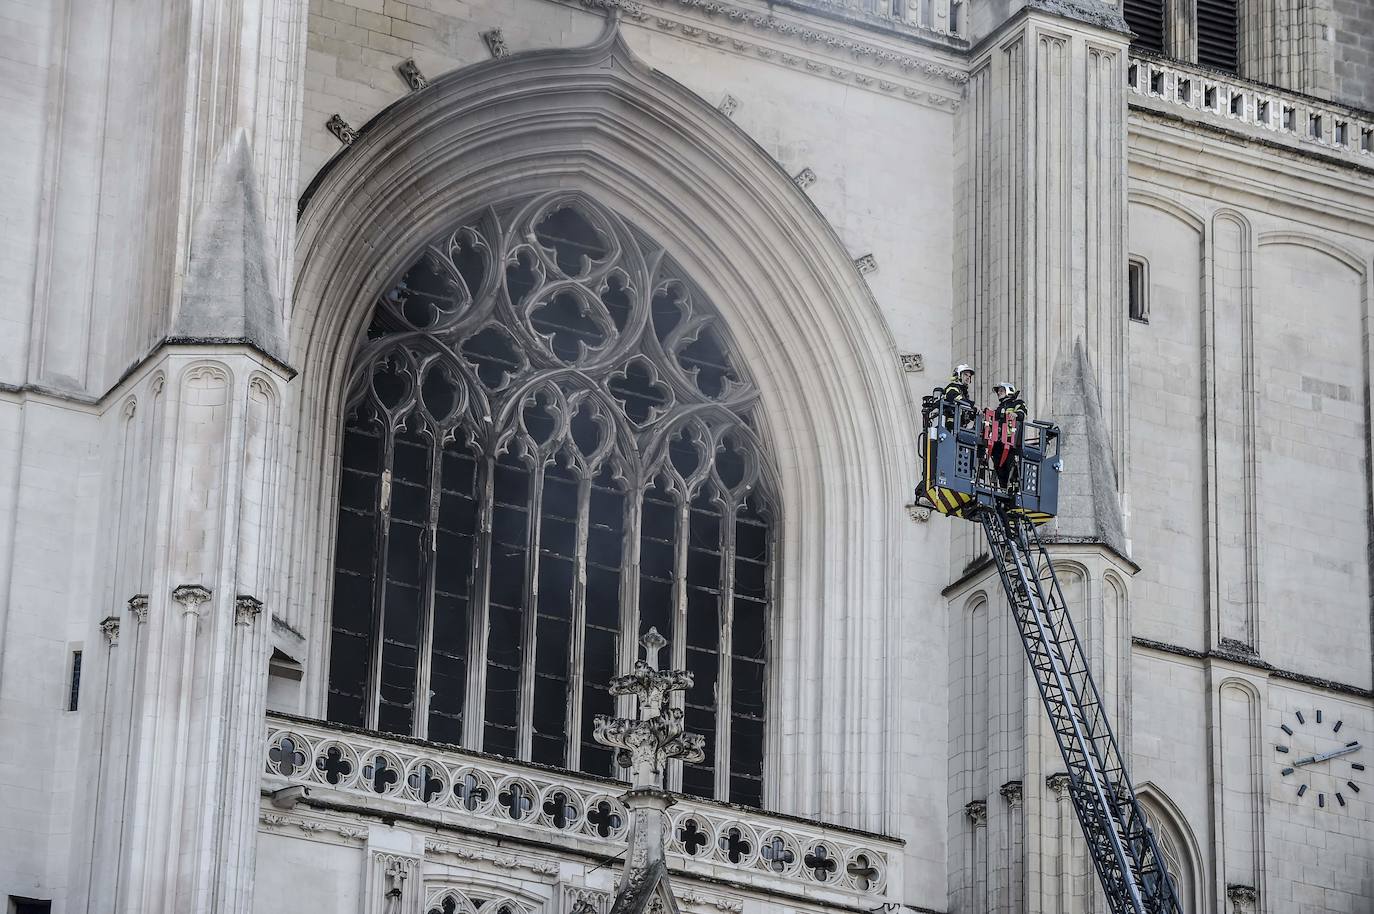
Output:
(1209, 98)
(74, 687)
(1367, 140)
(1157, 82)
(1137, 289)
(1238, 105)
(1342, 133)
(1185, 90)
(29, 906)
(1290, 118)
(1262, 111)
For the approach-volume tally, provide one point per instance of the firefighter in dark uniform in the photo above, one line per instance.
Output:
(956, 391)
(1011, 409)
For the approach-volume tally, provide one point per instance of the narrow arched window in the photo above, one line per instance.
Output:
(550, 448)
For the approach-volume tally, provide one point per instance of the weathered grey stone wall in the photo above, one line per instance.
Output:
(1355, 53)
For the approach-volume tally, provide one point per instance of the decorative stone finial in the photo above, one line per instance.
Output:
(644, 745)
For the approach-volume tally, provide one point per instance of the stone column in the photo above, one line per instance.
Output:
(175, 825)
(1013, 886)
(1041, 279)
(977, 812)
(1042, 242)
(1058, 888)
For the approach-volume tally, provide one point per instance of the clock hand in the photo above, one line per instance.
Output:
(1334, 753)
(1344, 750)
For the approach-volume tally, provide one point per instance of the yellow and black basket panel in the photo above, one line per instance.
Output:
(1035, 517)
(950, 502)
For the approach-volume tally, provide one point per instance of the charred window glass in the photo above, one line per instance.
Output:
(549, 449)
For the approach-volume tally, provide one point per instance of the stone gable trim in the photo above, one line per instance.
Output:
(927, 74)
(1252, 662)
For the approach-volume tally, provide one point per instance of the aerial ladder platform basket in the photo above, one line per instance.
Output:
(1004, 476)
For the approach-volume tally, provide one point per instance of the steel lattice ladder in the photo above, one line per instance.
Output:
(1125, 854)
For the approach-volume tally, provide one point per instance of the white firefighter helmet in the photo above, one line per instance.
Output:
(1007, 386)
(960, 369)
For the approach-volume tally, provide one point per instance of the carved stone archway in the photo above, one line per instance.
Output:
(833, 408)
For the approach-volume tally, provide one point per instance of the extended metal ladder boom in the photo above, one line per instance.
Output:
(1123, 849)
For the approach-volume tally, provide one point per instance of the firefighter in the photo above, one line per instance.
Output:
(1010, 410)
(956, 391)
(956, 388)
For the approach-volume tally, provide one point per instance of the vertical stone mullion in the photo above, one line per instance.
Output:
(374, 670)
(529, 617)
(678, 646)
(725, 646)
(424, 654)
(577, 635)
(479, 606)
(629, 587)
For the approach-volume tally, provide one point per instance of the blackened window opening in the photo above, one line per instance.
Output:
(1146, 19)
(549, 449)
(1218, 35)
(1137, 291)
(74, 687)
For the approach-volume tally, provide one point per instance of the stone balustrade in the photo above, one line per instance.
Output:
(475, 792)
(1263, 112)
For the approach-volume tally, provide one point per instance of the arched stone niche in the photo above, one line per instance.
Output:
(834, 413)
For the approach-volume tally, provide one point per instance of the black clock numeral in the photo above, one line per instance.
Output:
(1280, 748)
(1340, 799)
(1286, 772)
(1357, 766)
(1355, 788)
(1321, 799)
(1285, 729)
(1298, 715)
(1302, 790)
(1337, 728)
(1319, 715)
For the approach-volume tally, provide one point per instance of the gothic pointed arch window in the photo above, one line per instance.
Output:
(550, 448)
(1168, 829)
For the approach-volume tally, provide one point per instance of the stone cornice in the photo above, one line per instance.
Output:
(1203, 160)
(818, 51)
(1251, 661)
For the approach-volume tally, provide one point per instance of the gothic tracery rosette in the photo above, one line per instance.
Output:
(557, 300)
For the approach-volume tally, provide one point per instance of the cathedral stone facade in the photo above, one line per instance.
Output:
(374, 374)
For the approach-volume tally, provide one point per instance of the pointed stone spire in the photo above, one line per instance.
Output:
(644, 745)
(1089, 504)
(228, 293)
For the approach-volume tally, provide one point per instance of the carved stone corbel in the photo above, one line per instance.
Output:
(138, 605)
(246, 609)
(1011, 792)
(191, 596)
(109, 627)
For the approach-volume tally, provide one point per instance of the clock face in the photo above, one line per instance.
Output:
(1320, 758)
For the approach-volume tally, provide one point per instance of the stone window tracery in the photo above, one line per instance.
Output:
(549, 447)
